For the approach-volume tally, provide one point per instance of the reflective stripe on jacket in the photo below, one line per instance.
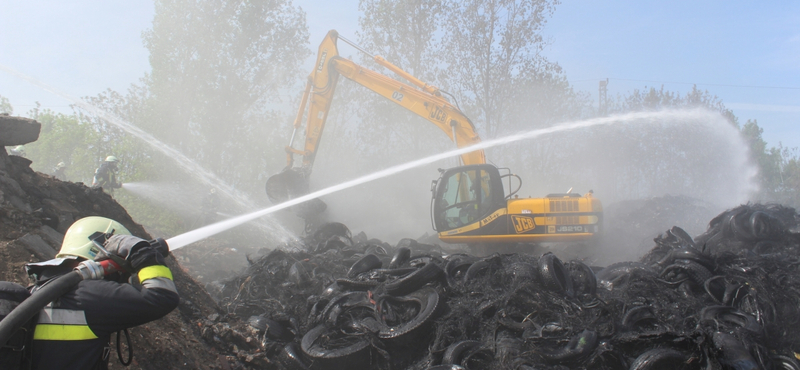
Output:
(73, 333)
(62, 324)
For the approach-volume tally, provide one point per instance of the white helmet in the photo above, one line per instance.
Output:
(77, 242)
(112, 158)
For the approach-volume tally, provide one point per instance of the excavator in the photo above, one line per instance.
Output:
(469, 203)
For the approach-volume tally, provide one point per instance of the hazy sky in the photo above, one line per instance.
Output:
(745, 52)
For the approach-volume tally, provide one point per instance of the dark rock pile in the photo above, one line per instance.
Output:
(728, 298)
(35, 211)
(18, 130)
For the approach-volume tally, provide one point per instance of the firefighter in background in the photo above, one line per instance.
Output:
(60, 171)
(74, 331)
(18, 151)
(105, 176)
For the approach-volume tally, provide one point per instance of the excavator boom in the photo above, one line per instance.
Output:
(425, 101)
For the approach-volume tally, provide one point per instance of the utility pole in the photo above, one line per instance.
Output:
(602, 104)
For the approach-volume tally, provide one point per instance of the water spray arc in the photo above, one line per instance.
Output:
(190, 166)
(644, 117)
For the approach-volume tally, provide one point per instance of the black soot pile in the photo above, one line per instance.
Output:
(727, 299)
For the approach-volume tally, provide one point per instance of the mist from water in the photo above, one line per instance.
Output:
(701, 155)
(168, 195)
(678, 117)
(191, 167)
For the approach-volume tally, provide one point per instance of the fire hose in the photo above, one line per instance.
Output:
(86, 270)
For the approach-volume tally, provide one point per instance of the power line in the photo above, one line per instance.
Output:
(693, 83)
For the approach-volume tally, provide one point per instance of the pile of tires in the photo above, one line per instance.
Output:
(729, 298)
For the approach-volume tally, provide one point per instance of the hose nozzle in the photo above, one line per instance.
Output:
(160, 245)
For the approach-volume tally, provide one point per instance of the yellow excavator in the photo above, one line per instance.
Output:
(469, 203)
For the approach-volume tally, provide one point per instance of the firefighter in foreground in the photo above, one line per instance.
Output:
(106, 175)
(73, 332)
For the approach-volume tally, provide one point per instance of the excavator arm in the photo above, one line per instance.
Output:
(423, 100)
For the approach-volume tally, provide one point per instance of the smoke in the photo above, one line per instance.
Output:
(200, 173)
(693, 153)
(700, 155)
(180, 198)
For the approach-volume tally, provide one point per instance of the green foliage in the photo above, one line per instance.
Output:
(5, 106)
(65, 138)
(777, 167)
(655, 99)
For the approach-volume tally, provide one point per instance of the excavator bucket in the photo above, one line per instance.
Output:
(288, 184)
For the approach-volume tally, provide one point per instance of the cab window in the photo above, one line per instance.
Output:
(466, 198)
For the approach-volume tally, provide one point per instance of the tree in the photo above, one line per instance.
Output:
(219, 69)
(5, 106)
(492, 52)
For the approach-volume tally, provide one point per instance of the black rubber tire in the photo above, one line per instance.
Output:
(292, 358)
(583, 274)
(765, 226)
(366, 263)
(350, 284)
(401, 256)
(741, 226)
(348, 299)
(414, 280)
(377, 249)
(271, 328)
(554, 275)
(578, 347)
(722, 290)
(455, 266)
(457, 351)
(636, 316)
(782, 362)
(326, 231)
(429, 305)
(732, 353)
(351, 355)
(659, 358)
(683, 236)
(696, 272)
(615, 270)
(732, 317)
(395, 272)
(475, 269)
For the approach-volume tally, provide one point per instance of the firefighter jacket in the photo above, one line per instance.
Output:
(105, 176)
(74, 331)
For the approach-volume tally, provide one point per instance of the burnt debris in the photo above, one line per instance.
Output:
(728, 298)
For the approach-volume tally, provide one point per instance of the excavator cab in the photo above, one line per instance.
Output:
(469, 206)
(465, 195)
